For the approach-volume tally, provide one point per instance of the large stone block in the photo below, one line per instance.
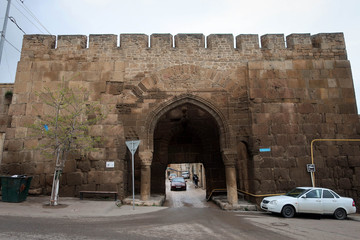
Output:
(14, 145)
(95, 177)
(70, 166)
(345, 183)
(285, 185)
(267, 186)
(74, 178)
(88, 187)
(84, 165)
(67, 191)
(354, 161)
(10, 157)
(98, 154)
(96, 130)
(108, 187)
(114, 130)
(264, 173)
(17, 109)
(281, 174)
(112, 177)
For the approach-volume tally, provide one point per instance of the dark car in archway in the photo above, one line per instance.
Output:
(178, 183)
(185, 175)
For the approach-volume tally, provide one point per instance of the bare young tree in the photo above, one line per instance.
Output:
(65, 128)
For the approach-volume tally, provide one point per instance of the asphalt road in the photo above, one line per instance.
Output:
(172, 223)
(187, 216)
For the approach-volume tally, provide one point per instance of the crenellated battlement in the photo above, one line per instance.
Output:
(216, 42)
(161, 41)
(106, 41)
(273, 41)
(189, 41)
(220, 41)
(72, 41)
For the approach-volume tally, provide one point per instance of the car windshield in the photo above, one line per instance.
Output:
(178, 180)
(296, 192)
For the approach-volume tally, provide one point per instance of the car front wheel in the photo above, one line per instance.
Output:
(340, 214)
(288, 211)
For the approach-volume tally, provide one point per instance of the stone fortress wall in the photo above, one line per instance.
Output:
(273, 93)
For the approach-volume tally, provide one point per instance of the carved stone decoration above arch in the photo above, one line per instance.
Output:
(154, 116)
(188, 78)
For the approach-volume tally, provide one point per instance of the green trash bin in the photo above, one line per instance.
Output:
(14, 188)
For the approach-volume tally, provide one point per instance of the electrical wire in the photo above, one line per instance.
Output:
(33, 15)
(14, 21)
(11, 44)
(27, 18)
(8, 66)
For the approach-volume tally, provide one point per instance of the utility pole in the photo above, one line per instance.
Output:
(2, 41)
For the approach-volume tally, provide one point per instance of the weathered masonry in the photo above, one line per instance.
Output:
(187, 103)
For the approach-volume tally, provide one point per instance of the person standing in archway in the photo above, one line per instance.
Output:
(196, 180)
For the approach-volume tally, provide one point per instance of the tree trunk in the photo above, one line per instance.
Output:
(55, 187)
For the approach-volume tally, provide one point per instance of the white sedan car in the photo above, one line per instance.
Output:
(310, 200)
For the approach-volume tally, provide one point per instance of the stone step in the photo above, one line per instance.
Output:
(242, 205)
(155, 200)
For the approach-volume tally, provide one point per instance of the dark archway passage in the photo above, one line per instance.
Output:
(187, 134)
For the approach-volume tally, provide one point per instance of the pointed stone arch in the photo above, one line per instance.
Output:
(155, 115)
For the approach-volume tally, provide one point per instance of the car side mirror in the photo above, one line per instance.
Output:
(304, 196)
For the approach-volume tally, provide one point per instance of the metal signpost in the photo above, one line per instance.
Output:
(132, 146)
(311, 169)
(2, 40)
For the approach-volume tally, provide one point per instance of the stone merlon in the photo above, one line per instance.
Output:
(218, 42)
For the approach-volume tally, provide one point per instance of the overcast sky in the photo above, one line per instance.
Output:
(63, 17)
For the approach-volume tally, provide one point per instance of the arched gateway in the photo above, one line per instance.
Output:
(187, 129)
(191, 98)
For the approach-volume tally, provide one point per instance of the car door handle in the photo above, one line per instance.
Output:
(318, 200)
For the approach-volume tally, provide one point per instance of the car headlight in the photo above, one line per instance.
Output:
(274, 202)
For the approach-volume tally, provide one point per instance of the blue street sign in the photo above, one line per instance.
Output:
(265, 149)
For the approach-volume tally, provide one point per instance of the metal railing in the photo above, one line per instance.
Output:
(243, 192)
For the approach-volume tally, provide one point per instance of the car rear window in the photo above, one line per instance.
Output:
(335, 194)
(327, 194)
(178, 180)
